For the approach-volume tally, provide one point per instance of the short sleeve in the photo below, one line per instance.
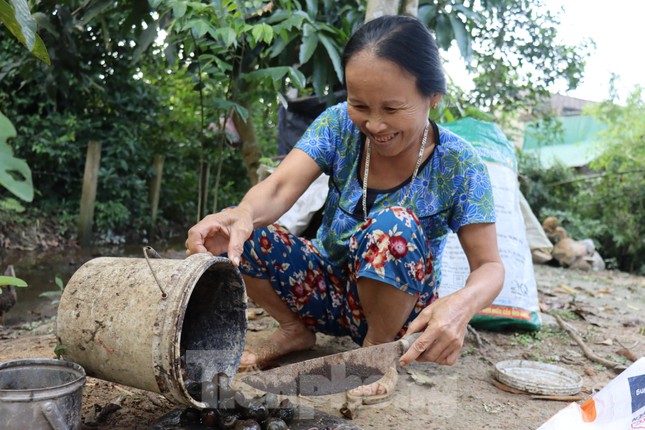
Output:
(473, 199)
(321, 139)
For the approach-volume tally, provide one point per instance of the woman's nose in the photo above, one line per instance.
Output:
(374, 124)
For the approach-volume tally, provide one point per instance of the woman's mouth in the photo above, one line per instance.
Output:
(384, 139)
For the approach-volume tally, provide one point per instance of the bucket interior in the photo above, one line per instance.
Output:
(214, 326)
(37, 375)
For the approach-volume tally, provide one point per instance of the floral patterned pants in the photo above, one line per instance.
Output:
(389, 247)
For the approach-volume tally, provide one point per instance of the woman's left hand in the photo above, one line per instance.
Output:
(445, 321)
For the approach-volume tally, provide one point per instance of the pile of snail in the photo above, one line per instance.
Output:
(229, 409)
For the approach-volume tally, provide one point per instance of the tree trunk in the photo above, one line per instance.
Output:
(251, 152)
(378, 8)
(410, 7)
(155, 188)
(202, 197)
(88, 195)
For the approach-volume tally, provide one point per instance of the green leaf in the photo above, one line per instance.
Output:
(444, 32)
(15, 174)
(59, 350)
(145, 40)
(312, 8)
(21, 24)
(25, 21)
(256, 32)
(43, 22)
(96, 9)
(227, 35)
(242, 112)
(6, 131)
(11, 204)
(278, 46)
(320, 72)
(462, 37)
(309, 43)
(471, 14)
(297, 77)
(268, 33)
(10, 280)
(53, 293)
(59, 282)
(198, 27)
(427, 13)
(275, 73)
(179, 9)
(334, 55)
(223, 104)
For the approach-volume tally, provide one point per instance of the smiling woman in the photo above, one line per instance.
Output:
(398, 184)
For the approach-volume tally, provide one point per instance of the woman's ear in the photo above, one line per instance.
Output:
(435, 99)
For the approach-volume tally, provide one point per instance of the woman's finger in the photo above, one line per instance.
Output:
(451, 358)
(419, 347)
(198, 234)
(420, 322)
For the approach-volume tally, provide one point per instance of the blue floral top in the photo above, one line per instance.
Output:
(452, 187)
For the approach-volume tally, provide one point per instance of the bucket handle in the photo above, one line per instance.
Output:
(156, 255)
(54, 416)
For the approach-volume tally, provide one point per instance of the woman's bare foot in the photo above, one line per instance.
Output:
(289, 337)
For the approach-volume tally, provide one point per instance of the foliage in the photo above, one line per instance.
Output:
(15, 175)
(510, 47)
(94, 91)
(555, 191)
(539, 187)
(616, 196)
(116, 80)
(608, 203)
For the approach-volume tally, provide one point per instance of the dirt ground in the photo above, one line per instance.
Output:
(607, 309)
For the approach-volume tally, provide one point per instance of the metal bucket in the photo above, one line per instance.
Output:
(41, 394)
(153, 323)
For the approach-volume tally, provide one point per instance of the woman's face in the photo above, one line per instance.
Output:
(385, 104)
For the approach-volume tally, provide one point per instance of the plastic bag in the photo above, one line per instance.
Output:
(618, 406)
(516, 307)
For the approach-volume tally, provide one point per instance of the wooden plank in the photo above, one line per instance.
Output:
(88, 195)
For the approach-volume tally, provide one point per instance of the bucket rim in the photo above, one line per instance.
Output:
(8, 394)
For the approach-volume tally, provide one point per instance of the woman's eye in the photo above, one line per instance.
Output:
(390, 109)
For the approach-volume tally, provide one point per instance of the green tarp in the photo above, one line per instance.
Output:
(487, 138)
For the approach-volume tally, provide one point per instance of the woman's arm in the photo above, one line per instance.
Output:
(445, 321)
(227, 231)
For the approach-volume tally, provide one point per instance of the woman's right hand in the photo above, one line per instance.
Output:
(225, 231)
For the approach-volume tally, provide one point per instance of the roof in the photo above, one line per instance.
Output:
(577, 146)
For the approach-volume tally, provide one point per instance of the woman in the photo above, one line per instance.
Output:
(398, 183)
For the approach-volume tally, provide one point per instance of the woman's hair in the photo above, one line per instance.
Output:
(405, 41)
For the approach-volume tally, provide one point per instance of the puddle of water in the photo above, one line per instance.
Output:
(39, 270)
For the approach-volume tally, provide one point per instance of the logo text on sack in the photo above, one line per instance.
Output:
(637, 388)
